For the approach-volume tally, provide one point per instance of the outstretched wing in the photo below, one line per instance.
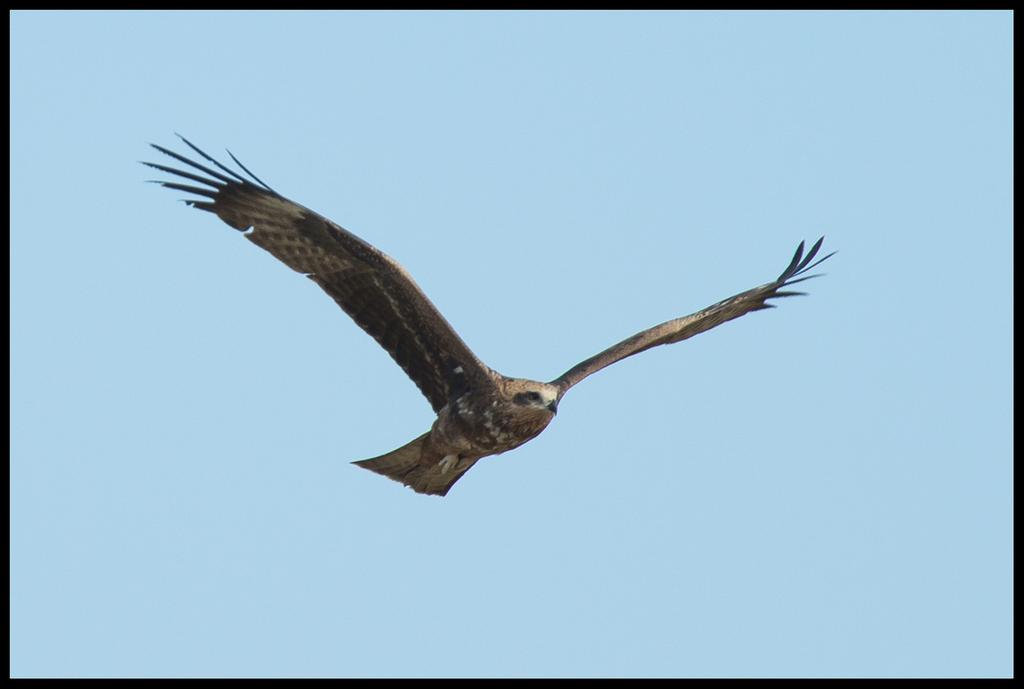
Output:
(705, 319)
(371, 287)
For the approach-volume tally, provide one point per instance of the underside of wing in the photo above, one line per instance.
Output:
(681, 328)
(372, 288)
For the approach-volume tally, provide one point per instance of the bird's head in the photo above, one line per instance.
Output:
(532, 394)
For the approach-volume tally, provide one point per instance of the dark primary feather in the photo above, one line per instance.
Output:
(682, 328)
(370, 286)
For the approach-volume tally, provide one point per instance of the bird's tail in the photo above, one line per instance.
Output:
(408, 465)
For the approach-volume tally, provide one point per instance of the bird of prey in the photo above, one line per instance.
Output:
(479, 411)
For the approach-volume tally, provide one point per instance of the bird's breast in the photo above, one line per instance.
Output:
(489, 425)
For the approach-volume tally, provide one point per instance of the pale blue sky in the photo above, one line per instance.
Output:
(819, 490)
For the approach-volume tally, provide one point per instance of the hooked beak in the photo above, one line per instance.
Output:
(553, 407)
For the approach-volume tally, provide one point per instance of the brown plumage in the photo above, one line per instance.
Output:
(479, 411)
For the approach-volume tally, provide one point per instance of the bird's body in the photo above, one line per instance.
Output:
(479, 411)
(468, 428)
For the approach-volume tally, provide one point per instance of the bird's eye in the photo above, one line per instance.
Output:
(527, 397)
